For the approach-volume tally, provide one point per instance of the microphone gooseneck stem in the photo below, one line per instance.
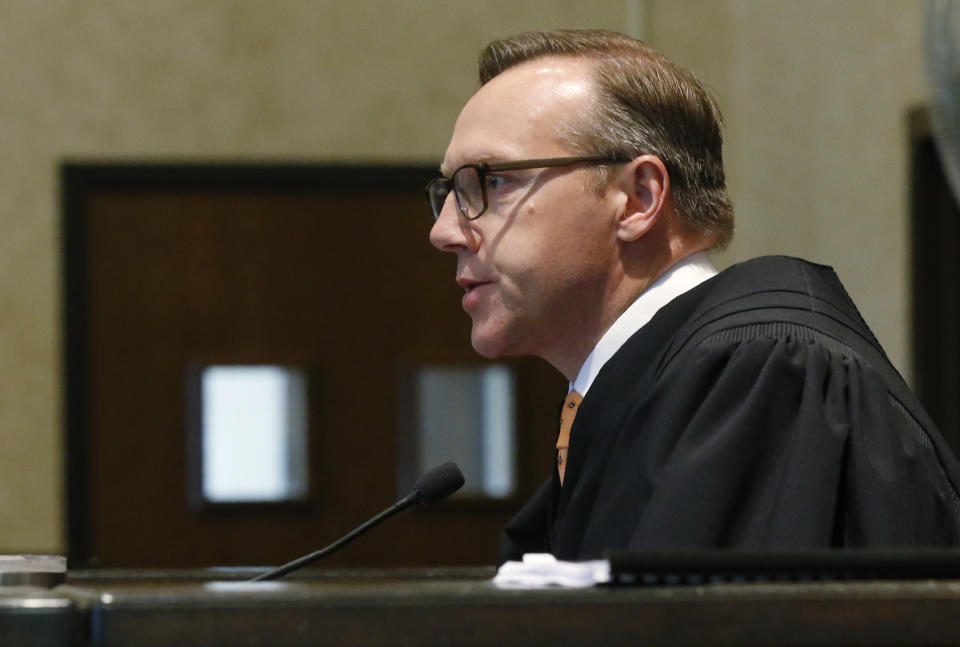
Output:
(399, 506)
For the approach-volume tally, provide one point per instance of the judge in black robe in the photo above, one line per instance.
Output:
(756, 410)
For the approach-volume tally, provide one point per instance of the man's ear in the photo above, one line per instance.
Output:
(646, 183)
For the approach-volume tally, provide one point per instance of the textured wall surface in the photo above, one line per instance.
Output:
(318, 80)
(814, 94)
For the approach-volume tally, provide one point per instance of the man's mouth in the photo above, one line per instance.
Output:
(472, 287)
(469, 284)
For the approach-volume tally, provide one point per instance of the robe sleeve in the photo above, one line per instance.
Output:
(528, 531)
(794, 441)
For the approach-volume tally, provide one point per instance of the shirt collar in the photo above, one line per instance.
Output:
(687, 274)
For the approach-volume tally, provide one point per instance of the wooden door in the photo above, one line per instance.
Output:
(326, 268)
(935, 247)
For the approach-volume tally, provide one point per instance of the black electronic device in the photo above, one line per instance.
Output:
(680, 567)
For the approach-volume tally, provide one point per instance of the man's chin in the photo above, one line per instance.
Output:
(487, 345)
(485, 349)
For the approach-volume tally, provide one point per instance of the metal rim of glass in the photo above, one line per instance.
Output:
(468, 182)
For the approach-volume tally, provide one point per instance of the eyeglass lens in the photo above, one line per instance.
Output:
(437, 191)
(466, 182)
(466, 186)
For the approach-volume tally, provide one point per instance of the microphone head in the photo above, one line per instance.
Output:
(438, 483)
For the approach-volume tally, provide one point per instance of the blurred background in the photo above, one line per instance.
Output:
(817, 97)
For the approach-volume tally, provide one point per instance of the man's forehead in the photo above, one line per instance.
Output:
(521, 109)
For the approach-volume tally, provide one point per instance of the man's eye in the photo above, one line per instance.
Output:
(495, 182)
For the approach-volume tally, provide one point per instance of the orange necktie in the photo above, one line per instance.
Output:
(567, 414)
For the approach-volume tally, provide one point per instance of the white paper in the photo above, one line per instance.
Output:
(543, 570)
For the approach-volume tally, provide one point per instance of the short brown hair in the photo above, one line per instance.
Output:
(645, 105)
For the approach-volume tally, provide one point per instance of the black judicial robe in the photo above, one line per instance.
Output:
(756, 410)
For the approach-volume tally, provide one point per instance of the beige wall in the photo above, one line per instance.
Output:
(814, 93)
(217, 79)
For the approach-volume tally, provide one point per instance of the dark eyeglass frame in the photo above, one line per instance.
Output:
(439, 189)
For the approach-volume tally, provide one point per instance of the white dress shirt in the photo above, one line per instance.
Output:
(687, 274)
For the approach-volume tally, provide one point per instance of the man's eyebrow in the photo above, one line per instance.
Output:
(489, 158)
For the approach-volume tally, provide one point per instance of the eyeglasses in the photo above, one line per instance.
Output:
(469, 182)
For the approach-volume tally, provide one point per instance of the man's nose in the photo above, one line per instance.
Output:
(452, 232)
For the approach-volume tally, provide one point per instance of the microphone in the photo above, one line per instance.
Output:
(434, 486)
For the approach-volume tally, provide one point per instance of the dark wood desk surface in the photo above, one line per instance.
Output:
(462, 607)
(35, 617)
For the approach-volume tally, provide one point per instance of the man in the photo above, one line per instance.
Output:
(581, 189)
